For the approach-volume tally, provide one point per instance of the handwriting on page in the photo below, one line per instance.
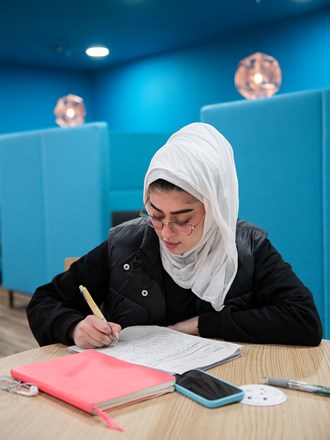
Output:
(157, 349)
(166, 351)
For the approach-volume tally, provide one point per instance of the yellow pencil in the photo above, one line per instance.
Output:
(93, 306)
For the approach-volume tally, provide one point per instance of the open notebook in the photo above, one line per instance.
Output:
(169, 350)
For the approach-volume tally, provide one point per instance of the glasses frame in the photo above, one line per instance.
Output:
(144, 215)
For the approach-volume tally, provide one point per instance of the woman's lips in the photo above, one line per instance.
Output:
(170, 245)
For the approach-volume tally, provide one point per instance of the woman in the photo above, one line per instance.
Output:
(187, 263)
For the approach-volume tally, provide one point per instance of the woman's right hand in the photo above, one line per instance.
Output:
(92, 332)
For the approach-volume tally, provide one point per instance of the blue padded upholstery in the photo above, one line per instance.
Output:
(282, 148)
(54, 200)
(58, 188)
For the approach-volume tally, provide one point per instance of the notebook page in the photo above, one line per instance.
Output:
(169, 350)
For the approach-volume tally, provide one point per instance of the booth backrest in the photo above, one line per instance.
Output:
(129, 157)
(54, 189)
(58, 190)
(282, 152)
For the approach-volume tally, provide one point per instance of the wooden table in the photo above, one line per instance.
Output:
(173, 416)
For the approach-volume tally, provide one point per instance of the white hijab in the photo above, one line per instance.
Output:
(200, 160)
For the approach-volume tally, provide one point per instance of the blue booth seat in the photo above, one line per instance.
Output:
(58, 189)
(282, 151)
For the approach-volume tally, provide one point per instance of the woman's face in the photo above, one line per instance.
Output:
(176, 206)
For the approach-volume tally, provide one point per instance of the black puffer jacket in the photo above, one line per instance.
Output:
(266, 303)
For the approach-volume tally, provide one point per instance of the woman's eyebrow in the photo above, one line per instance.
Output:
(181, 211)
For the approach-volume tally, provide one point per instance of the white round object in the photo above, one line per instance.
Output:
(262, 395)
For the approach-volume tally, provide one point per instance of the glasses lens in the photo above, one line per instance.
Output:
(181, 228)
(177, 227)
(151, 221)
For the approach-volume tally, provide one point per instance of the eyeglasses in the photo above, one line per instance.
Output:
(179, 228)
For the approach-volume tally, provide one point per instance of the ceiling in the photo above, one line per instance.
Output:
(57, 33)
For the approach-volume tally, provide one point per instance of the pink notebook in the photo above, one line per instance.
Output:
(93, 381)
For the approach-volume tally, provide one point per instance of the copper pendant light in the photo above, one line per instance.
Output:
(258, 75)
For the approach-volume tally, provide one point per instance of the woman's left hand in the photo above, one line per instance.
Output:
(189, 326)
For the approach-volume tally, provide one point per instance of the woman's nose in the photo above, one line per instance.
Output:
(167, 231)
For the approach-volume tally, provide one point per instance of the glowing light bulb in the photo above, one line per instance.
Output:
(70, 113)
(258, 78)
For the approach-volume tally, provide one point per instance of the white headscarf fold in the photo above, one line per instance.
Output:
(200, 160)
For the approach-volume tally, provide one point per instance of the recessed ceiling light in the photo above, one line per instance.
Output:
(97, 51)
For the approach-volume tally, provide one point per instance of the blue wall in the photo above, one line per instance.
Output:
(28, 96)
(165, 92)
